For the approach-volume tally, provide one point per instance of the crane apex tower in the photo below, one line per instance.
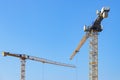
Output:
(92, 33)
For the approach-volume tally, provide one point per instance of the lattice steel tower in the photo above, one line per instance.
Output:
(93, 56)
(92, 33)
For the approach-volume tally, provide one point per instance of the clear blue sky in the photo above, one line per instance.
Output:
(52, 29)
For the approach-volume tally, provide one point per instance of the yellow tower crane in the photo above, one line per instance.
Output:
(92, 33)
(23, 58)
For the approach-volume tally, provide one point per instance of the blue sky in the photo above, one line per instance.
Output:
(52, 29)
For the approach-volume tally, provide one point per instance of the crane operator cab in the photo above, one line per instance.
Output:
(96, 26)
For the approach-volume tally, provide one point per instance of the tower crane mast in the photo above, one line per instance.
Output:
(92, 33)
(23, 58)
